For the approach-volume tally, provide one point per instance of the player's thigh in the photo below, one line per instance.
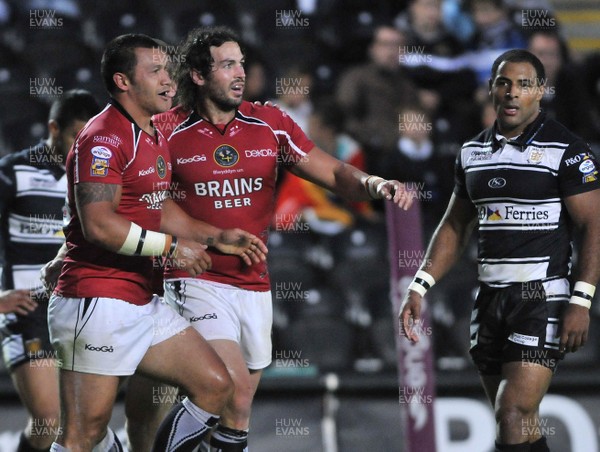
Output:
(86, 400)
(523, 386)
(186, 360)
(37, 385)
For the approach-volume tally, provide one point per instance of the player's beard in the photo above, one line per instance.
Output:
(221, 99)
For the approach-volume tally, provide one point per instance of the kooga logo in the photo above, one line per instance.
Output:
(104, 348)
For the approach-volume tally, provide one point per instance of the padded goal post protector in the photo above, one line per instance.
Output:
(416, 372)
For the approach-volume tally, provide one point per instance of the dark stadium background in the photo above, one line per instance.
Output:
(334, 322)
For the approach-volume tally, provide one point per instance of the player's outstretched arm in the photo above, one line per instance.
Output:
(235, 241)
(446, 246)
(349, 182)
(584, 209)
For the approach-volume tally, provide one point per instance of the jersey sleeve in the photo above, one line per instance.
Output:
(99, 163)
(293, 144)
(460, 187)
(578, 170)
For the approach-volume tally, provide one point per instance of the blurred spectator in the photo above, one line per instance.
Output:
(424, 29)
(565, 97)
(431, 58)
(256, 77)
(372, 94)
(495, 33)
(299, 200)
(495, 29)
(417, 162)
(457, 21)
(292, 91)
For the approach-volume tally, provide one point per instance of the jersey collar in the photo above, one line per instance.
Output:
(523, 140)
(122, 110)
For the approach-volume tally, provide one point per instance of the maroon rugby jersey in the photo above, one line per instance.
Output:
(225, 175)
(112, 149)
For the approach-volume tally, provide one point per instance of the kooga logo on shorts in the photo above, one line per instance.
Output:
(204, 317)
(103, 348)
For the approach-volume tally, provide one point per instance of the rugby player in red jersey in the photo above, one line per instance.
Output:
(225, 154)
(104, 320)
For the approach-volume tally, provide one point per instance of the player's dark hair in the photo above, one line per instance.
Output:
(520, 56)
(73, 105)
(119, 56)
(195, 54)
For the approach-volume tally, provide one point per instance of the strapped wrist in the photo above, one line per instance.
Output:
(141, 242)
(422, 282)
(373, 186)
(583, 293)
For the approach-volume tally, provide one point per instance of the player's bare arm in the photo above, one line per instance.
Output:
(584, 209)
(102, 225)
(349, 182)
(97, 204)
(446, 246)
(235, 241)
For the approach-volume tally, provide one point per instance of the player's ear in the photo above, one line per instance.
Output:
(121, 81)
(197, 77)
(490, 83)
(541, 86)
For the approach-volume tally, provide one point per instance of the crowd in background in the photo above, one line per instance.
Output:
(393, 87)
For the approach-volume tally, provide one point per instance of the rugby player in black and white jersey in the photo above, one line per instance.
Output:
(33, 186)
(529, 185)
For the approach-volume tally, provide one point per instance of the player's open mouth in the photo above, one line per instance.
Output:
(168, 94)
(238, 88)
(510, 110)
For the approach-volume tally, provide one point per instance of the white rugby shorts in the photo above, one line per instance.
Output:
(221, 311)
(107, 336)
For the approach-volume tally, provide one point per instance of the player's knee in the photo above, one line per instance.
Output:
(45, 415)
(90, 430)
(512, 415)
(216, 388)
(223, 386)
(241, 401)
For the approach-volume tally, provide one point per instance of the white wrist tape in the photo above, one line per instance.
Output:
(373, 185)
(582, 294)
(141, 242)
(422, 282)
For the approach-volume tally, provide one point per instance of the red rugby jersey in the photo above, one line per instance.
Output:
(112, 149)
(225, 175)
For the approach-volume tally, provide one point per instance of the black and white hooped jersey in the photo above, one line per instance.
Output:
(518, 187)
(32, 196)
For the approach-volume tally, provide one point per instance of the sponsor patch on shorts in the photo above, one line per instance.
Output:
(531, 341)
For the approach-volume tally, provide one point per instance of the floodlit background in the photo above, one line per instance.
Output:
(329, 263)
